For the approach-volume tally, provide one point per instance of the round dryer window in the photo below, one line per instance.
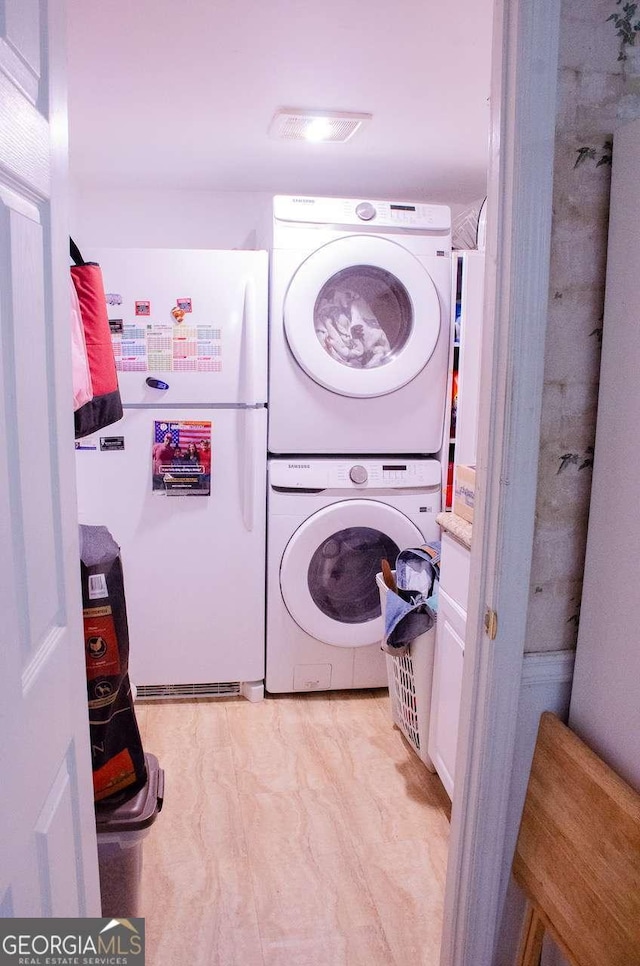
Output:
(328, 569)
(362, 316)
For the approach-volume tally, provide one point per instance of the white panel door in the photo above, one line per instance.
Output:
(48, 859)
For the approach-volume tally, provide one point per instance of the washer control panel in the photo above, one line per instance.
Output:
(349, 212)
(340, 474)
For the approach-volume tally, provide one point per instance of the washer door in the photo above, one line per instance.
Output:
(328, 569)
(362, 316)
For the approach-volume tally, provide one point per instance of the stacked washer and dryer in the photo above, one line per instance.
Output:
(359, 348)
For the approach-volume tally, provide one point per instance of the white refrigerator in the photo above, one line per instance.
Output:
(180, 479)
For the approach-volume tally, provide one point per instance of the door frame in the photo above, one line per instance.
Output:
(522, 137)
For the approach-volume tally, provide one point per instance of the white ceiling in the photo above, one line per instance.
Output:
(180, 93)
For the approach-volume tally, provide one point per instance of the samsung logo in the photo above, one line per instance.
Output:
(304, 201)
(299, 466)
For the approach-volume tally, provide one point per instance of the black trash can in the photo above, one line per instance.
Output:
(122, 827)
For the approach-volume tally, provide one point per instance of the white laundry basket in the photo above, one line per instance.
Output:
(410, 677)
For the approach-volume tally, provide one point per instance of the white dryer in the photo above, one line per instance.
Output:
(359, 326)
(330, 522)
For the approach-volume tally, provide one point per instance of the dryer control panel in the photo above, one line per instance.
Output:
(346, 212)
(354, 474)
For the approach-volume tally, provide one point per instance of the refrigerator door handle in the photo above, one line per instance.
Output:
(246, 468)
(248, 343)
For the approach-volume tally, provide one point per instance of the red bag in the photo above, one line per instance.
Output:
(106, 406)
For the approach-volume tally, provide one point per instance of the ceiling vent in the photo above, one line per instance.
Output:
(289, 124)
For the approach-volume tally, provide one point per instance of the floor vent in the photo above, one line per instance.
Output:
(154, 692)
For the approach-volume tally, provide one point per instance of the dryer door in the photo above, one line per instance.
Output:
(362, 316)
(328, 569)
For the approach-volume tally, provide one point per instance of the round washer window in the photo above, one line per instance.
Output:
(341, 574)
(329, 568)
(363, 317)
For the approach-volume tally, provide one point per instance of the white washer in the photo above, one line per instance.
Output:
(330, 522)
(359, 326)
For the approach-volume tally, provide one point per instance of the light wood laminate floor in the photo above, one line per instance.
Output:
(298, 831)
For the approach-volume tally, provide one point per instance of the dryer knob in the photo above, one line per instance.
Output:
(358, 474)
(365, 211)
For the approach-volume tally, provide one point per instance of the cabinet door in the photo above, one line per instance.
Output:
(463, 387)
(455, 568)
(447, 688)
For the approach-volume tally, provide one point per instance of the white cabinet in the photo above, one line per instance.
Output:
(449, 658)
(471, 303)
(461, 415)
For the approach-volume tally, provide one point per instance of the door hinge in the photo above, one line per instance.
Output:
(491, 623)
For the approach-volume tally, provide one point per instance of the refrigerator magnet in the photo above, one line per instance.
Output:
(178, 314)
(143, 308)
(110, 443)
(184, 304)
(113, 298)
(181, 457)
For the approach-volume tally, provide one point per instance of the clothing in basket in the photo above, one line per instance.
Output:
(412, 610)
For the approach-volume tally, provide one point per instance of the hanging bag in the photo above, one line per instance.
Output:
(81, 374)
(106, 406)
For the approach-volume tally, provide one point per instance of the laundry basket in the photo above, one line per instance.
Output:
(410, 677)
(121, 828)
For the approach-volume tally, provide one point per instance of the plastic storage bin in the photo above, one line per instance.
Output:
(121, 830)
(410, 677)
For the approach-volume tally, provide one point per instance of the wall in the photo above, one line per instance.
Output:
(132, 218)
(605, 710)
(590, 84)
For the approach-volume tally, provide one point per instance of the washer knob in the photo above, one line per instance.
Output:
(358, 474)
(365, 211)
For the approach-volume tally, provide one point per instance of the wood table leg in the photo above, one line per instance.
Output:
(531, 939)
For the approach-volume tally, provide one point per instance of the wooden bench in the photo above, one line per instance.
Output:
(578, 855)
